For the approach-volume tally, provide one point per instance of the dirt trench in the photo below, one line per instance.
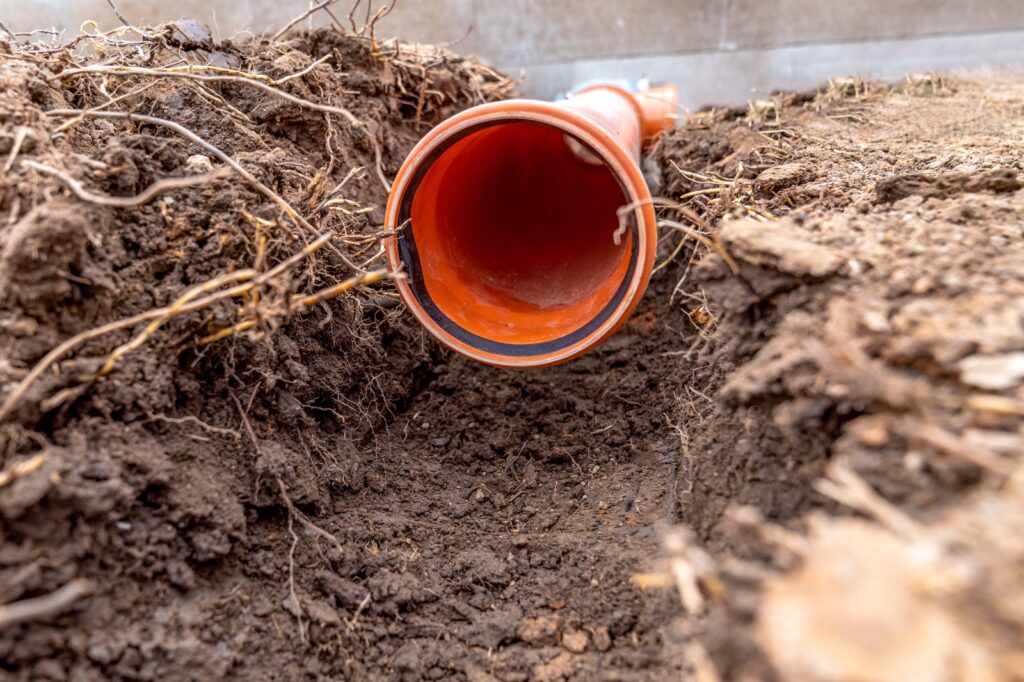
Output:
(330, 495)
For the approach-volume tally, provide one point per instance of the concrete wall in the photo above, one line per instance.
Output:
(720, 51)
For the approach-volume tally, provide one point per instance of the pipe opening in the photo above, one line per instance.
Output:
(513, 227)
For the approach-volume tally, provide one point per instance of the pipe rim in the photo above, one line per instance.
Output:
(611, 152)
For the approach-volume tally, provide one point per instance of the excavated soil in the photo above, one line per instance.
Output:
(330, 495)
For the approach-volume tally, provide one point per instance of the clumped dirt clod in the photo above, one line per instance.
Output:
(258, 489)
(878, 336)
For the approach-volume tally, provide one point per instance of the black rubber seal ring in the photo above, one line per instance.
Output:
(411, 262)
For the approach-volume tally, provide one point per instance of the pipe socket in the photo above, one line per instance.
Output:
(506, 224)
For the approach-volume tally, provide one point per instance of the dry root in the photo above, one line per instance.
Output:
(202, 296)
(194, 73)
(297, 302)
(46, 606)
(20, 469)
(237, 167)
(144, 197)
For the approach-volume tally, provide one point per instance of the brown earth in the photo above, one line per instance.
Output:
(330, 495)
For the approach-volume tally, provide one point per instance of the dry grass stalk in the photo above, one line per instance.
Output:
(19, 139)
(688, 569)
(711, 241)
(772, 533)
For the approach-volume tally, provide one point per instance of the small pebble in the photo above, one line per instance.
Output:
(539, 631)
(602, 639)
(199, 164)
(575, 641)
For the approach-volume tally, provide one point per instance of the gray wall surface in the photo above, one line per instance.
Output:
(719, 51)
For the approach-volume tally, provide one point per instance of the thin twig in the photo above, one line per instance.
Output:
(684, 572)
(303, 72)
(185, 132)
(193, 68)
(301, 17)
(117, 325)
(19, 139)
(351, 624)
(144, 197)
(624, 211)
(353, 173)
(679, 247)
(774, 534)
(378, 161)
(295, 512)
(12, 34)
(117, 13)
(43, 607)
(20, 469)
(291, 530)
(372, 24)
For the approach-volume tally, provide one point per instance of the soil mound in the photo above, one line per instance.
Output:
(226, 453)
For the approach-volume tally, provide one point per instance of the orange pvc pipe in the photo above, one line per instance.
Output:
(506, 225)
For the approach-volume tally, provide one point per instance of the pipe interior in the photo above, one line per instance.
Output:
(514, 225)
